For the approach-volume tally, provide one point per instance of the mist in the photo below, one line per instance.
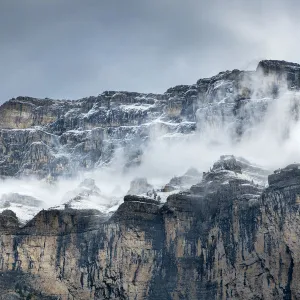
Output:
(271, 139)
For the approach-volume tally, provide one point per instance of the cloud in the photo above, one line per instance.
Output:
(72, 49)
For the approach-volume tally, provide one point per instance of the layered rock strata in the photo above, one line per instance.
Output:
(225, 238)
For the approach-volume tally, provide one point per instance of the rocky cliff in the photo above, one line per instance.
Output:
(225, 238)
(225, 235)
(51, 138)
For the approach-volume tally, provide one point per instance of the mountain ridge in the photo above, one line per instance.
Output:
(49, 132)
(225, 232)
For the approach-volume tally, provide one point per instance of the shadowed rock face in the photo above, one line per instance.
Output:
(47, 137)
(281, 70)
(223, 239)
(8, 220)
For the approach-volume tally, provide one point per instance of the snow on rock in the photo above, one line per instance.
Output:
(89, 196)
(25, 207)
(192, 176)
(229, 166)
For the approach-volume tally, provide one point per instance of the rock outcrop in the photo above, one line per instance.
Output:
(192, 176)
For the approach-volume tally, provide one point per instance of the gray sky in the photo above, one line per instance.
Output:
(76, 48)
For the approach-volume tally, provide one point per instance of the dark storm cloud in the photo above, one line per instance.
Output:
(75, 48)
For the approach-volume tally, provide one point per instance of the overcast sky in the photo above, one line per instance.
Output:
(76, 48)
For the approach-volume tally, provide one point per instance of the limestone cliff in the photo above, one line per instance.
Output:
(225, 238)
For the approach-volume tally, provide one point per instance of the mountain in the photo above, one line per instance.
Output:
(82, 216)
(51, 138)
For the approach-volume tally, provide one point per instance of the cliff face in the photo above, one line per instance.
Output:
(48, 137)
(225, 238)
